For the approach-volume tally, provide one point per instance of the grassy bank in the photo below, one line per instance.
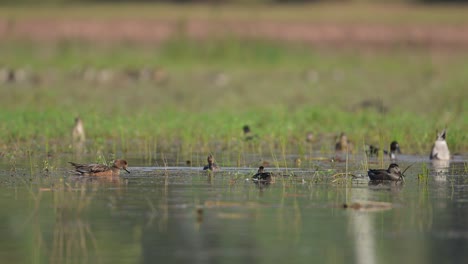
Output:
(209, 90)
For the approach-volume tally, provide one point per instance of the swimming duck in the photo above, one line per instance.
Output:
(101, 169)
(212, 166)
(440, 150)
(393, 173)
(261, 175)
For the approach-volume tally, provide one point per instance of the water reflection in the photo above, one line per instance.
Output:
(441, 169)
(363, 216)
(393, 186)
(71, 236)
(177, 215)
(362, 226)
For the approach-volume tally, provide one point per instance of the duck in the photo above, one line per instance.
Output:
(440, 150)
(100, 169)
(343, 144)
(261, 175)
(371, 150)
(393, 173)
(212, 166)
(394, 149)
(248, 135)
(310, 137)
(78, 132)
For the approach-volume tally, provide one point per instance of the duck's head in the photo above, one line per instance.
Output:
(210, 159)
(441, 136)
(343, 138)
(260, 169)
(121, 164)
(394, 168)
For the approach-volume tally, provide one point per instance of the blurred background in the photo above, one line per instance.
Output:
(228, 1)
(380, 70)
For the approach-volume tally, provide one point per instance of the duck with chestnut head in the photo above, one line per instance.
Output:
(101, 169)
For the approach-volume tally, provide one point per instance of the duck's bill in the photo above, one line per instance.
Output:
(126, 170)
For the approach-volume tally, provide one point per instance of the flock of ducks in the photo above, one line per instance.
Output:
(440, 151)
(156, 74)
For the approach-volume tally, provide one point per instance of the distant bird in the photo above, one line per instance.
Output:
(372, 104)
(343, 143)
(298, 162)
(101, 169)
(247, 133)
(371, 150)
(310, 137)
(440, 150)
(78, 132)
(394, 149)
(262, 176)
(212, 166)
(393, 173)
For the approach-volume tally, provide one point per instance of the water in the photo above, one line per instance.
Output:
(184, 215)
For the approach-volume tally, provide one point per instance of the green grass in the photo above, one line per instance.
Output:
(393, 14)
(282, 91)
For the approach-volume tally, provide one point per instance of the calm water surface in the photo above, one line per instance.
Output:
(184, 215)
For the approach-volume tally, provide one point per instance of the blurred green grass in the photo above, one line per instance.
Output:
(215, 87)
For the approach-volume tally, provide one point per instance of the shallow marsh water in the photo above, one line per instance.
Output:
(183, 214)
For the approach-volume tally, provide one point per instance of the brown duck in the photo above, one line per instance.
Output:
(101, 169)
(393, 173)
(212, 166)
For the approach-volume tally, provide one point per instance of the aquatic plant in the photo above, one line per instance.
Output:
(423, 177)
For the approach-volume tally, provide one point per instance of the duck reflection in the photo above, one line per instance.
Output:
(440, 157)
(393, 186)
(441, 169)
(100, 181)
